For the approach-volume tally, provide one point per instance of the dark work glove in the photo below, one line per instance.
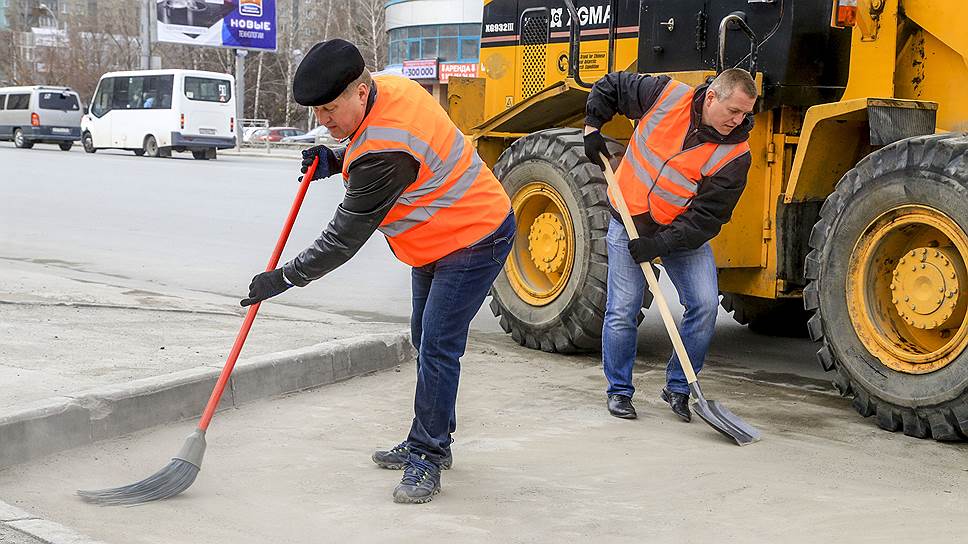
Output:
(643, 250)
(327, 162)
(595, 145)
(265, 285)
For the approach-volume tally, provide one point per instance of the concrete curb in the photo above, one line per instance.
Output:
(62, 423)
(261, 154)
(38, 528)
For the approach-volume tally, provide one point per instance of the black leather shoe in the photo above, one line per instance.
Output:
(621, 406)
(679, 403)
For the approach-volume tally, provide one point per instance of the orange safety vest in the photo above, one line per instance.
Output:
(455, 201)
(659, 177)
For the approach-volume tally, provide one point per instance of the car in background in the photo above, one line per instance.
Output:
(155, 112)
(247, 133)
(40, 114)
(316, 136)
(274, 134)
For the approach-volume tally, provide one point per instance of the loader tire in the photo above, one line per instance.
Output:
(562, 317)
(897, 364)
(772, 317)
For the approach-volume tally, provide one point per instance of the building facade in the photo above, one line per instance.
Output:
(431, 40)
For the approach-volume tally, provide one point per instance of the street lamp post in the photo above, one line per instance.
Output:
(146, 7)
(45, 7)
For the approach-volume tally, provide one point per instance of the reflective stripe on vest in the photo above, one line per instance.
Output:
(656, 175)
(398, 139)
(455, 200)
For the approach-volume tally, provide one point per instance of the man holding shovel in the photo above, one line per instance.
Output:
(410, 173)
(683, 173)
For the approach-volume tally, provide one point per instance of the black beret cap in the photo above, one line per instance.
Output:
(326, 71)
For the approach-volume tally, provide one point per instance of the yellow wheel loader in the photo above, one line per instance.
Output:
(854, 222)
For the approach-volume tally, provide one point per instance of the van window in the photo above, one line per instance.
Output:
(18, 102)
(103, 97)
(142, 93)
(156, 92)
(3, 99)
(58, 101)
(122, 98)
(208, 89)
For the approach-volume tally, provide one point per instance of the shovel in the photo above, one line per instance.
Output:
(715, 414)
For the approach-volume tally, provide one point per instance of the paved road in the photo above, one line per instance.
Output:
(538, 458)
(209, 226)
(205, 226)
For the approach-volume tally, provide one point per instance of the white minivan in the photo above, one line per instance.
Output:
(155, 112)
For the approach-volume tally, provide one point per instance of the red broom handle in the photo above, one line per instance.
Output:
(254, 309)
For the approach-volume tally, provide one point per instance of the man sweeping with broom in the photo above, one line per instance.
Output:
(411, 174)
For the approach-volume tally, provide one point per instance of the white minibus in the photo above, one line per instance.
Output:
(155, 112)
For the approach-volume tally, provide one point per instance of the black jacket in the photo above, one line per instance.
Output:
(375, 182)
(632, 95)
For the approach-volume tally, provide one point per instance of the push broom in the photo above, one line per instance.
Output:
(180, 473)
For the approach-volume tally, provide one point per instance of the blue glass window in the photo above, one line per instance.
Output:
(449, 43)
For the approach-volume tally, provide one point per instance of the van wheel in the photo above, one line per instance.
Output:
(20, 141)
(151, 146)
(138, 152)
(88, 142)
(66, 146)
(200, 155)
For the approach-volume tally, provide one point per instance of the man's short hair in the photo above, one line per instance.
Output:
(365, 78)
(732, 79)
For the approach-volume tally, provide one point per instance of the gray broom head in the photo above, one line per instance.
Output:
(176, 477)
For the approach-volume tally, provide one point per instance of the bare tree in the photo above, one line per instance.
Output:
(95, 43)
(370, 31)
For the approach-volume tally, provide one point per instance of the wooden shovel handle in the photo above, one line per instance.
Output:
(653, 282)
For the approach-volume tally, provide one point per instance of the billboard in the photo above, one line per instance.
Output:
(420, 69)
(241, 24)
(457, 69)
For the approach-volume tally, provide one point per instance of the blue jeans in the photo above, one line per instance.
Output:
(693, 272)
(447, 294)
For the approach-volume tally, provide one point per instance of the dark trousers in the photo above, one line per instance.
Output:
(447, 294)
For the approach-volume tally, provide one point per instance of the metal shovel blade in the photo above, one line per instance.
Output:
(720, 418)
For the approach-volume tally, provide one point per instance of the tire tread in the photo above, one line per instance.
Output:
(940, 153)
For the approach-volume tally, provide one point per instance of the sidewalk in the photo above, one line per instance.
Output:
(85, 356)
(536, 459)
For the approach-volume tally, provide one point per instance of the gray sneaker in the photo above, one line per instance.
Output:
(396, 458)
(420, 482)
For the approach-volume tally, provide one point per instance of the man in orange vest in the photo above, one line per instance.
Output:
(411, 174)
(682, 174)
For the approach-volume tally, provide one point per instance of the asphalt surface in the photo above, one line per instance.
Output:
(205, 228)
(536, 459)
(165, 248)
